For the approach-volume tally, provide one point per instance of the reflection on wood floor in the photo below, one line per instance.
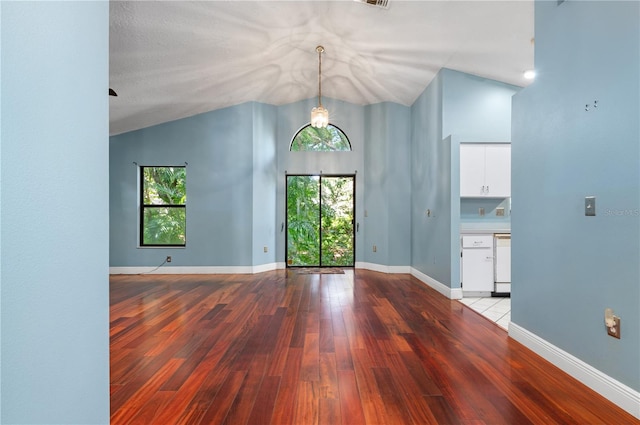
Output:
(355, 348)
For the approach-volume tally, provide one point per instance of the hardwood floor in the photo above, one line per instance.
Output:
(356, 348)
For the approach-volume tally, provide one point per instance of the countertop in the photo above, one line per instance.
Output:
(488, 228)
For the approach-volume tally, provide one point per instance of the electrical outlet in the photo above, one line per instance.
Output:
(500, 212)
(266, 249)
(375, 248)
(614, 330)
(168, 258)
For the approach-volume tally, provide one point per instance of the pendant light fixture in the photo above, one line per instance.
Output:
(319, 114)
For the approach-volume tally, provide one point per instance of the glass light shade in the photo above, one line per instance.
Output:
(319, 117)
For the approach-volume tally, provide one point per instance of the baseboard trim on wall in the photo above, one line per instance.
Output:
(382, 268)
(264, 268)
(195, 269)
(451, 293)
(625, 397)
(240, 269)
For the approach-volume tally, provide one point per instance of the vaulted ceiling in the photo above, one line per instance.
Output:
(173, 59)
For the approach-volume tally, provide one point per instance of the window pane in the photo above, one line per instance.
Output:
(164, 185)
(164, 226)
(337, 221)
(303, 221)
(320, 140)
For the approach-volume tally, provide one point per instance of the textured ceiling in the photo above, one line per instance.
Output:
(173, 59)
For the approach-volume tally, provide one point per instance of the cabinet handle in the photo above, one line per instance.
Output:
(483, 189)
(487, 189)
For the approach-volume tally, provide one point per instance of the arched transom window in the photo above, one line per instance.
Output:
(313, 139)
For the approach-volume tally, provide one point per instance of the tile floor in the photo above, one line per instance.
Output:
(497, 309)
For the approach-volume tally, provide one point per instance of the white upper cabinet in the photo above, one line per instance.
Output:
(485, 170)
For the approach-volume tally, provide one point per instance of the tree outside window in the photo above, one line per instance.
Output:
(329, 139)
(163, 206)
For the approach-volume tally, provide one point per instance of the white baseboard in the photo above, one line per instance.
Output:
(476, 294)
(196, 269)
(264, 268)
(382, 268)
(625, 397)
(451, 293)
(165, 269)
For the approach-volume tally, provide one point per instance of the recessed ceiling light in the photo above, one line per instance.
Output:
(530, 74)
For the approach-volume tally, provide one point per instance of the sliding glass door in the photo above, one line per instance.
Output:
(320, 221)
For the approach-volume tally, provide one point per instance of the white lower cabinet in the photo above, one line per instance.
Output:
(477, 263)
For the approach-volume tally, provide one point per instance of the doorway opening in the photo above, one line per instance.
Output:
(320, 218)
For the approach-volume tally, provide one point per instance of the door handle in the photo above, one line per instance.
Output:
(357, 227)
(282, 227)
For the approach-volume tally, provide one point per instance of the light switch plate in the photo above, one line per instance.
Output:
(590, 205)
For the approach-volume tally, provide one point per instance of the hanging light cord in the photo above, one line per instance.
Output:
(320, 49)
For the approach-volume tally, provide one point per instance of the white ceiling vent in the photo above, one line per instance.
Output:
(384, 4)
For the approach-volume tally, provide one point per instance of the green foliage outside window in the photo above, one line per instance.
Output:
(164, 199)
(303, 217)
(337, 221)
(320, 214)
(320, 140)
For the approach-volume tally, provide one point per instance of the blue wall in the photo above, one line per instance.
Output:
(567, 268)
(264, 184)
(475, 109)
(430, 187)
(375, 222)
(237, 159)
(54, 231)
(219, 150)
(455, 108)
(387, 197)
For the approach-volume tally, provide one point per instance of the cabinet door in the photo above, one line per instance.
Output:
(472, 170)
(498, 171)
(477, 263)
